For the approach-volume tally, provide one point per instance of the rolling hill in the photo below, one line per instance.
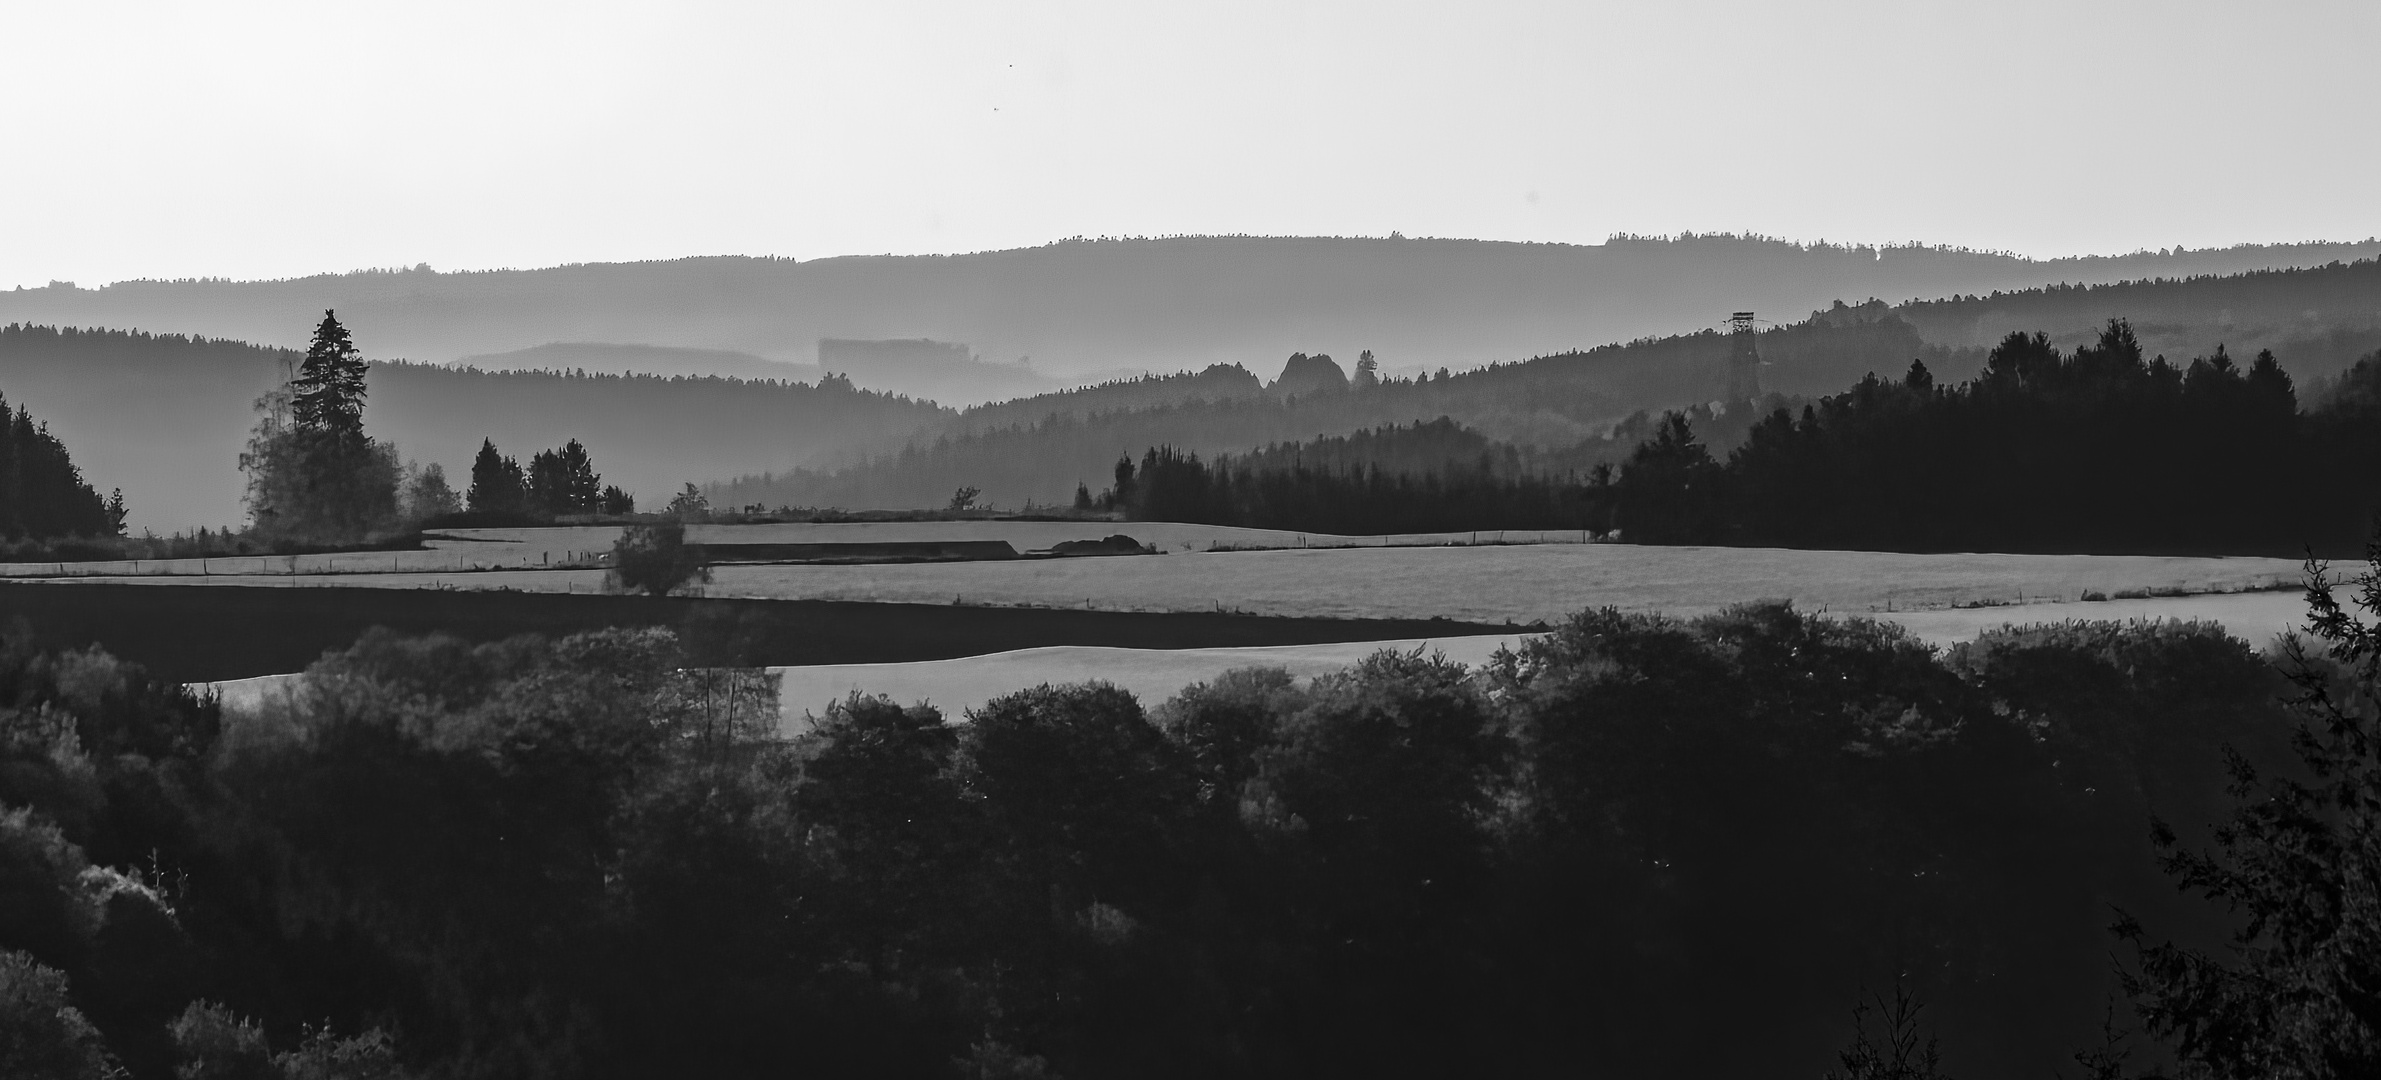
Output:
(164, 415)
(1079, 308)
(2317, 320)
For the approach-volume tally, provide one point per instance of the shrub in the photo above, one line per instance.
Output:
(41, 1036)
(214, 1043)
(325, 1056)
(656, 560)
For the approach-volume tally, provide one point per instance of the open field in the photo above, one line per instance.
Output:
(1515, 584)
(459, 550)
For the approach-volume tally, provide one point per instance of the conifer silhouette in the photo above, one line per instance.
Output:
(328, 394)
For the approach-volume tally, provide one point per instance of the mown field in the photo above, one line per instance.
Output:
(458, 550)
(1516, 584)
(910, 630)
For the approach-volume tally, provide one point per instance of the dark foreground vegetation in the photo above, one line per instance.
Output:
(1638, 847)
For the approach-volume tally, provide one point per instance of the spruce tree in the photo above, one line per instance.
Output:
(313, 475)
(548, 492)
(564, 481)
(582, 489)
(496, 482)
(2298, 993)
(328, 394)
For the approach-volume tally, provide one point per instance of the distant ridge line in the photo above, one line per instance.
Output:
(1617, 239)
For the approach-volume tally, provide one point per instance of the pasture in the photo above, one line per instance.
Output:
(587, 546)
(1515, 584)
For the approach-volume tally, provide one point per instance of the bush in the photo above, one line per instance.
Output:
(655, 560)
(214, 1043)
(41, 1036)
(325, 1056)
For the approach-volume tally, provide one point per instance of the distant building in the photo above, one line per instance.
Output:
(1744, 358)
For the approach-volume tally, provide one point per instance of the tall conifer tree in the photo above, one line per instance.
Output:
(328, 394)
(313, 475)
(496, 482)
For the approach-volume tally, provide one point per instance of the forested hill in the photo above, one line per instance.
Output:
(1085, 307)
(1547, 402)
(165, 416)
(642, 360)
(2316, 321)
(1219, 382)
(2319, 320)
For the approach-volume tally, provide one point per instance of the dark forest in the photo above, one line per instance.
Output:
(42, 491)
(2101, 449)
(2098, 450)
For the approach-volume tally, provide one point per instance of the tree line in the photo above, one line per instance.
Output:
(2098, 449)
(43, 495)
(1665, 846)
(557, 482)
(1429, 477)
(2101, 449)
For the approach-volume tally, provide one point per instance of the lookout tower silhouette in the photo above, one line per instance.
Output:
(1744, 359)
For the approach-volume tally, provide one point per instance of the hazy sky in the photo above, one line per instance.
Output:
(261, 140)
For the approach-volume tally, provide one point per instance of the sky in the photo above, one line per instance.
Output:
(164, 140)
